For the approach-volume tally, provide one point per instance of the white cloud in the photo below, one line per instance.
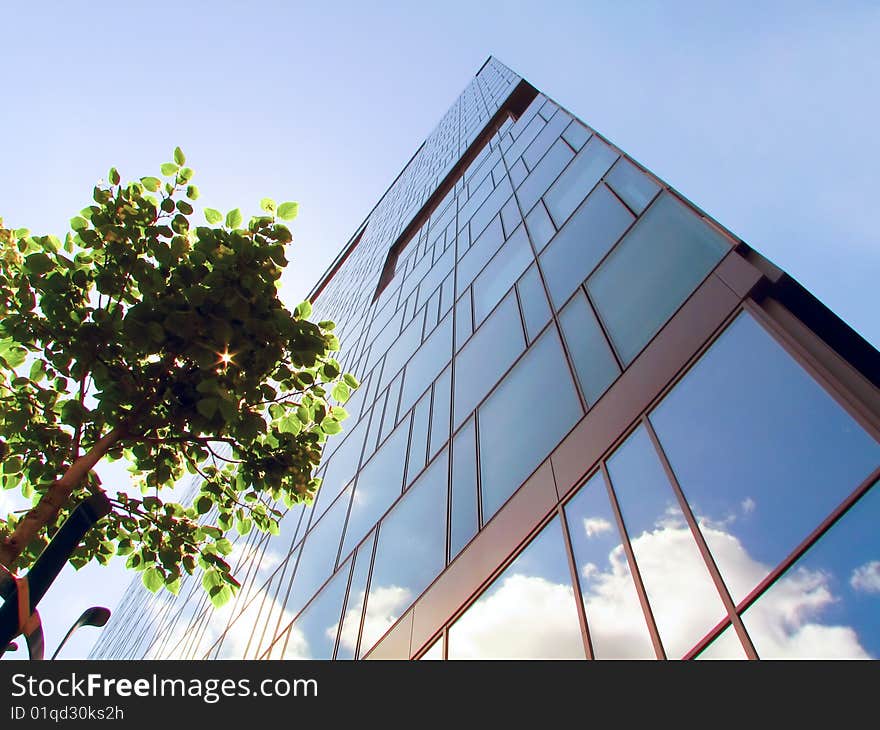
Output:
(596, 526)
(529, 616)
(525, 617)
(384, 607)
(866, 577)
(748, 505)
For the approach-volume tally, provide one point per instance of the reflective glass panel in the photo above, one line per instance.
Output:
(464, 323)
(354, 607)
(540, 226)
(581, 176)
(684, 599)
(614, 615)
(763, 453)
(410, 552)
(586, 238)
(515, 436)
(726, 646)
(534, 186)
(313, 633)
(826, 606)
(654, 269)
(528, 612)
(593, 361)
(463, 509)
(632, 185)
(533, 301)
(483, 360)
(478, 254)
(318, 556)
(427, 363)
(440, 411)
(418, 442)
(500, 273)
(379, 483)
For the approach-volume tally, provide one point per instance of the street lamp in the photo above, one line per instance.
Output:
(94, 616)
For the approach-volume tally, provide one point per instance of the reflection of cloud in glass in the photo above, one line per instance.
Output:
(748, 505)
(866, 577)
(785, 622)
(383, 609)
(596, 526)
(526, 617)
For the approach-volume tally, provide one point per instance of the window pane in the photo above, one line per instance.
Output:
(614, 615)
(483, 360)
(515, 436)
(528, 612)
(500, 273)
(318, 556)
(586, 238)
(418, 442)
(343, 464)
(379, 483)
(762, 452)
(726, 646)
(683, 597)
(533, 300)
(464, 325)
(632, 185)
(653, 270)
(351, 619)
(826, 606)
(410, 553)
(579, 178)
(440, 411)
(435, 653)
(463, 508)
(593, 361)
(478, 254)
(313, 634)
(427, 363)
(540, 226)
(534, 186)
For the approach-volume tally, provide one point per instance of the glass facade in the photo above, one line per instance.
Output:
(592, 424)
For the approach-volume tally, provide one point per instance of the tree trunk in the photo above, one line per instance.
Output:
(56, 497)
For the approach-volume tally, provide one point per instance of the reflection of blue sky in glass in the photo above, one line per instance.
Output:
(351, 619)
(762, 452)
(378, 485)
(614, 615)
(828, 603)
(683, 598)
(515, 436)
(313, 634)
(528, 612)
(411, 550)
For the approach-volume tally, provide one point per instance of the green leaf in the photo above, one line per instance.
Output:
(204, 504)
(329, 426)
(340, 392)
(213, 215)
(168, 169)
(304, 310)
(207, 407)
(179, 157)
(243, 526)
(173, 584)
(78, 223)
(351, 380)
(39, 263)
(151, 183)
(268, 205)
(113, 176)
(288, 211)
(233, 218)
(22, 232)
(152, 579)
(192, 192)
(220, 596)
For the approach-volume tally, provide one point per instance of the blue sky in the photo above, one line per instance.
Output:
(763, 114)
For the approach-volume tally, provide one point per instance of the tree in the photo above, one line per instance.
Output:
(145, 338)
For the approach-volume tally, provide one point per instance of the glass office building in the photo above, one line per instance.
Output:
(593, 423)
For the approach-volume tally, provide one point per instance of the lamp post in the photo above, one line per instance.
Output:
(94, 616)
(47, 567)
